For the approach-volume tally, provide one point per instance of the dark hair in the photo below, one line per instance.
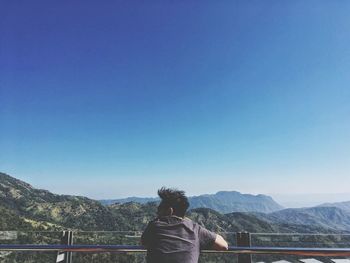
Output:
(175, 199)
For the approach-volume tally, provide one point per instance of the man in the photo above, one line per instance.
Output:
(172, 238)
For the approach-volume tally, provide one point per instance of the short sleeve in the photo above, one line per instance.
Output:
(206, 238)
(147, 235)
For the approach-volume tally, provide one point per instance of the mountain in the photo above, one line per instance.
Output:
(140, 200)
(40, 207)
(223, 202)
(232, 201)
(25, 207)
(342, 205)
(22, 207)
(10, 220)
(325, 217)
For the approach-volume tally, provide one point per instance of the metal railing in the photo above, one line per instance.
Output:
(323, 252)
(243, 248)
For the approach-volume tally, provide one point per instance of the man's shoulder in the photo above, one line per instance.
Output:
(189, 221)
(174, 221)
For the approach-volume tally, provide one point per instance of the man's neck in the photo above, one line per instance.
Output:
(177, 217)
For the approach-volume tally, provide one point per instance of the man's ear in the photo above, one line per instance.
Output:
(170, 211)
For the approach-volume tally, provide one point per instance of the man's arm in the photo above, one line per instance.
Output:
(211, 240)
(220, 243)
(146, 236)
(142, 242)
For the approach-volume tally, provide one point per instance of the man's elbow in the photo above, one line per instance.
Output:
(220, 243)
(143, 242)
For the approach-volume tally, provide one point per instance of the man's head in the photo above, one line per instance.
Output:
(173, 202)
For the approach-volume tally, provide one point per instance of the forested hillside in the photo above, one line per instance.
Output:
(25, 208)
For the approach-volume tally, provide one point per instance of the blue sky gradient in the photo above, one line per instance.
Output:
(119, 98)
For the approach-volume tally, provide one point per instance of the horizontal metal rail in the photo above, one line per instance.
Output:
(222, 233)
(294, 234)
(323, 252)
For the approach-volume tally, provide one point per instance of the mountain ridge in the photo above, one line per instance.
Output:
(345, 205)
(24, 207)
(222, 201)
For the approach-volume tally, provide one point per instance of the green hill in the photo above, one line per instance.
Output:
(42, 206)
(22, 207)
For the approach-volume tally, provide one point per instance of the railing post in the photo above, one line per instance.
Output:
(66, 239)
(243, 240)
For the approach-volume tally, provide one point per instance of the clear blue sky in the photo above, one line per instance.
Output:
(117, 98)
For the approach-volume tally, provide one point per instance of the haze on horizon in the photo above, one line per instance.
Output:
(119, 98)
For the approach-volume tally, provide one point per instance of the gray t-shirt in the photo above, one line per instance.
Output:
(175, 240)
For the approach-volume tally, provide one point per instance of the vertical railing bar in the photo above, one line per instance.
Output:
(62, 256)
(243, 240)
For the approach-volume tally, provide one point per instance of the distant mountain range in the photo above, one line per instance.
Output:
(223, 202)
(24, 207)
(341, 205)
(140, 200)
(325, 217)
(228, 202)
